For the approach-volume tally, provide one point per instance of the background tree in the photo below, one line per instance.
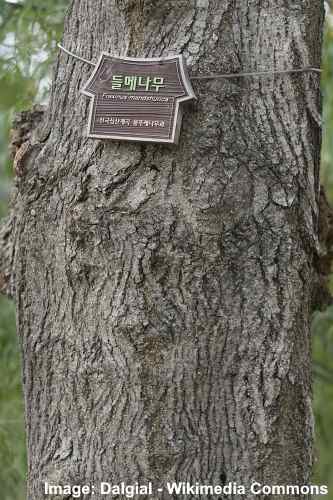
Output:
(84, 270)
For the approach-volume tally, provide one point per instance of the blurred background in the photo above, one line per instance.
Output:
(29, 30)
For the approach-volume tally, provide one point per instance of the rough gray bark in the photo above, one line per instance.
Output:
(164, 292)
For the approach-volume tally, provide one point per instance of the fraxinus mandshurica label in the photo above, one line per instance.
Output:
(137, 99)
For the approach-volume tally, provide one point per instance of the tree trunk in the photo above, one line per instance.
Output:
(164, 292)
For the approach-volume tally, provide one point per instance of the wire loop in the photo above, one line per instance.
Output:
(220, 76)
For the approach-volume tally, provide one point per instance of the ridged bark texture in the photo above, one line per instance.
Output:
(164, 292)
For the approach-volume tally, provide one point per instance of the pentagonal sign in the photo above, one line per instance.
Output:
(137, 99)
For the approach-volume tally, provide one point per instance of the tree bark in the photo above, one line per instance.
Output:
(164, 292)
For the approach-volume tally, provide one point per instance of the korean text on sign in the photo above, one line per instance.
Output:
(145, 83)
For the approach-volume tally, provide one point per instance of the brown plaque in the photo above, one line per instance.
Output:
(137, 99)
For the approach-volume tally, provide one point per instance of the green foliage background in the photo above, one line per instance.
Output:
(29, 30)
